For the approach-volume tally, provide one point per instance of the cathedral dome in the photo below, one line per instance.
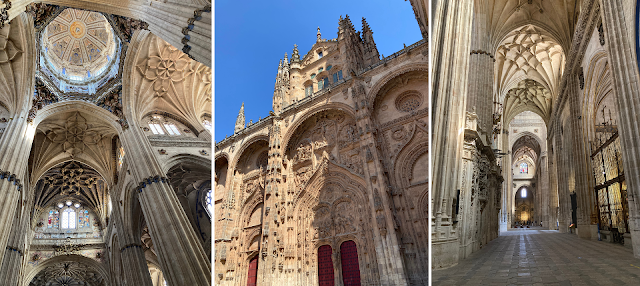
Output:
(79, 48)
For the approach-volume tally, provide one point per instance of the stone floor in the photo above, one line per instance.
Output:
(544, 257)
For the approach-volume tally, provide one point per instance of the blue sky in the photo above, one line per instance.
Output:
(252, 36)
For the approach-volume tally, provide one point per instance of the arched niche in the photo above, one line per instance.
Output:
(401, 95)
(221, 176)
(252, 158)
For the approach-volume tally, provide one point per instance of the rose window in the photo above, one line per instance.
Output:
(408, 102)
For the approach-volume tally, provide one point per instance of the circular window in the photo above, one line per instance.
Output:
(409, 101)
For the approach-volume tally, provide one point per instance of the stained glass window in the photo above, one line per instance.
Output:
(326, 82)
(52, 222)
(524, 193)
(80, 219)
(325, 266)
(120, 157)
(68, 218)
(524, 168)
(350, 266)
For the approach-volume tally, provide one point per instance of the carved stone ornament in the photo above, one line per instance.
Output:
(67, 248)
(8, 51)
(165, 69)
(75, 135)
(68, 273)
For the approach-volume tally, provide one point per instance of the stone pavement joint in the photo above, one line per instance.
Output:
(544, 257)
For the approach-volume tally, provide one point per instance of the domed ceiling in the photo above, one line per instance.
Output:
(79, 44)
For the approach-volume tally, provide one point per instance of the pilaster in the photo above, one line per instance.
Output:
(386, 238)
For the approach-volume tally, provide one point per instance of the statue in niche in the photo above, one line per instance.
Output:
(303, 153)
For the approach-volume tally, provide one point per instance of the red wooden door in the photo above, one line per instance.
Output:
(350, 266)
(325, 266)
(252, 278)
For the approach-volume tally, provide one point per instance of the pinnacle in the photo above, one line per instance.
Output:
(365, 25)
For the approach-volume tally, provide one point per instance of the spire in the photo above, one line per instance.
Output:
(318, 35)
(295, 57)
(286, 59)
(365, 26)
(240, 120)
(371, 55)
(354, 46)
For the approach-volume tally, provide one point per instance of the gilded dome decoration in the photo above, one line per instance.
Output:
(79, 53)
(79, 44)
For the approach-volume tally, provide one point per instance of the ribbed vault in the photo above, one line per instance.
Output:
(72, 180)
(529, 95)
(530, 53)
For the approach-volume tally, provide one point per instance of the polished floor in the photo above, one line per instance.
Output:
(544, 257)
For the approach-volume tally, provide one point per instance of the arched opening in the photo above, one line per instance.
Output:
(325, 266)
(192, 185)
(524, 215)
(530, 198)
(252, 272)
(350, 264)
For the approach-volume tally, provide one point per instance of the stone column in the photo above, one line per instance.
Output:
(580, 161)
(564, 217)
(14, 151)
(544, 190)
(185, 25)
(449, 70)
(136, 271)
(625, 77)
(13, 257)
(553, 185)
(180, 253)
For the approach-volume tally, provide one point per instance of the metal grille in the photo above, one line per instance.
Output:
(610, 189)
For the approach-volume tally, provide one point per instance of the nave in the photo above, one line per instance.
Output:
(537, 256)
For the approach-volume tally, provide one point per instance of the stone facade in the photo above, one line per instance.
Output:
(341, 160)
